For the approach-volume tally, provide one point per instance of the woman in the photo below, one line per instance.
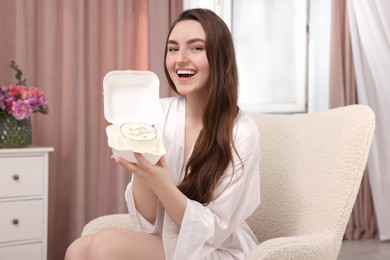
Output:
(193, 203)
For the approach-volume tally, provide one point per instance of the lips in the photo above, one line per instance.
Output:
(186, 73)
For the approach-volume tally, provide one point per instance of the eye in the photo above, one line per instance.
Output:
(197, 48)
(172, 49)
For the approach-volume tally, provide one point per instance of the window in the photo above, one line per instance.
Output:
(276, 72)
(271, 48)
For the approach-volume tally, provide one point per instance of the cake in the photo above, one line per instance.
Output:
(138, 137)
(129, 138)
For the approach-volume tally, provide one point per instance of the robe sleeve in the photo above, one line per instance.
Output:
(137, 220)
(205, 228)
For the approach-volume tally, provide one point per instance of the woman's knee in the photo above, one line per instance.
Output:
(97, 246)
(122, 244)
(116, 244)
(102, 245)
(77, 249)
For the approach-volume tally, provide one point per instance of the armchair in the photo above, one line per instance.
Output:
(311, 168)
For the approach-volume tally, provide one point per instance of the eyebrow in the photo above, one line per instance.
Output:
(188, 42)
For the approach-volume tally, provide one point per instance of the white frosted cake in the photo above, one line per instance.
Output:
(138, 137)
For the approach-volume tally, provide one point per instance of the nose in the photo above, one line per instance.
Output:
(182, 57)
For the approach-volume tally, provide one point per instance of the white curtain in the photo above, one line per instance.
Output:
(370, 37)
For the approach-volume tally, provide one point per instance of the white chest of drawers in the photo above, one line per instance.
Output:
(24, 178)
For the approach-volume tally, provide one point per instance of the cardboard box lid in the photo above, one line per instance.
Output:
(131, 96)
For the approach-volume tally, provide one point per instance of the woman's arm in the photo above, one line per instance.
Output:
(145, 200)
(152, 182)
(173, 200)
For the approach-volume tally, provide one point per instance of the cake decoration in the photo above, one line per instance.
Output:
(139, 131)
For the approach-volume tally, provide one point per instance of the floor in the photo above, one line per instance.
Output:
(365, 250)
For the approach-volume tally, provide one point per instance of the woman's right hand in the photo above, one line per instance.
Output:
(144, 197)
(158, 179)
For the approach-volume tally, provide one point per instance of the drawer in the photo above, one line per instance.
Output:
(21, 176)
(20, 220)
(21, 252)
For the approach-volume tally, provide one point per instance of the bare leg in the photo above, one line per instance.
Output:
(78, 249)
(117, 244)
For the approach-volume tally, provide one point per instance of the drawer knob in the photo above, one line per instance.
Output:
(16, 177)
(15, 221)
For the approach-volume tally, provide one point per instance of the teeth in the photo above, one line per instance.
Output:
(187, 72)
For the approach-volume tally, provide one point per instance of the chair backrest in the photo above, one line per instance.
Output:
(311, 169)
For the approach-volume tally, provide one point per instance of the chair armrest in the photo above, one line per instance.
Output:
(96, 225)
(311, 246)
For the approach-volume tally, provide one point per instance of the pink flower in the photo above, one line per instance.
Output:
(21, 109)
(21, 101)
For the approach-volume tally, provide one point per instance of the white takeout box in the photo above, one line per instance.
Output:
(132, 96)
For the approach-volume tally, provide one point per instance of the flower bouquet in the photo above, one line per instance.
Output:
(17, 103)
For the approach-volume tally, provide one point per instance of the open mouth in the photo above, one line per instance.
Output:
(185, 73)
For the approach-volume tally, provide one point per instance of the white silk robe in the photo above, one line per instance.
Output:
(217, 230)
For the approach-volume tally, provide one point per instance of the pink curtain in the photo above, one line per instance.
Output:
(362, 223)
(65, 48)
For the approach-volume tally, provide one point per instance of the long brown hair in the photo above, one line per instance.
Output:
(214, 147)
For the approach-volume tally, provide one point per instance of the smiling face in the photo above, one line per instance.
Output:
(186, 59)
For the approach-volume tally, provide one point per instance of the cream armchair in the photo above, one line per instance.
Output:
(311, 170)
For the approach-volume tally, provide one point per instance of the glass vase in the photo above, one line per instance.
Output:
(14, 133)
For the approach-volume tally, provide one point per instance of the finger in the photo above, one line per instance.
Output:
(143, 163)
(131, 167)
